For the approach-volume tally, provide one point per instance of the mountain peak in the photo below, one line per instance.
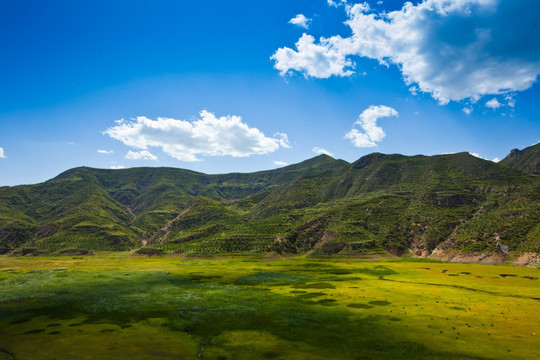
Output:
(513, 153)
(526, 160)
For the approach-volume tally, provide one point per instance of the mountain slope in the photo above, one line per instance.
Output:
(118, 209)
(526, 160)
(399, 204)
(425, 205)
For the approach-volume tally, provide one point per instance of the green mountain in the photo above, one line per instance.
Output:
(527, 160)
(424, 205)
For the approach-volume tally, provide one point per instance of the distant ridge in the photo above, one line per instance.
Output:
(442, 206)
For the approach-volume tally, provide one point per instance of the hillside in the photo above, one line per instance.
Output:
(527, 160)
(441, 206)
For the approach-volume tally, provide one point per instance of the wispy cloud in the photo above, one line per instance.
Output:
(451, 49)
(105, 151)
(483, 158)
(280, 163)
(207, 136)
(336, 3)
(301, 21)
(371, 134)
(2, 154)
(115, 167)
(318, 150)
(140, 155)
(283, 140)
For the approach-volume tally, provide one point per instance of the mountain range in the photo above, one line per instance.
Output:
(439, 206)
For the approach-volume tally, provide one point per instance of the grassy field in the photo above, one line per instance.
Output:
(114, 306)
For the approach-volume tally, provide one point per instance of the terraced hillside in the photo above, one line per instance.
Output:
(426, 205)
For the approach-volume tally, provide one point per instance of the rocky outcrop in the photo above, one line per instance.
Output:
(528, 259)
(491, 258)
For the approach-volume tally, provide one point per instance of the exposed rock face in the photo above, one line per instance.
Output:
(482, 258)
(513, 153)
(528, 259)
(524, 259)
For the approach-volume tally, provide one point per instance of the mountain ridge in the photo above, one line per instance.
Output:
(419, 205)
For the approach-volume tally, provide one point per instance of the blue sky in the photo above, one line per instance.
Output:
(242, 86)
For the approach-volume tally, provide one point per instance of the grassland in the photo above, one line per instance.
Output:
(116, 306)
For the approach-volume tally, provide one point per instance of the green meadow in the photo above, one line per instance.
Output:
(117, 306)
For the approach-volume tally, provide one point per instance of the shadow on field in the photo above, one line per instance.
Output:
(206, 306)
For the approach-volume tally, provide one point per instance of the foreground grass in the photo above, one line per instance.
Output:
(115, 306)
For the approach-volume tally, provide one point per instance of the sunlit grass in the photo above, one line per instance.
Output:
(114, 306)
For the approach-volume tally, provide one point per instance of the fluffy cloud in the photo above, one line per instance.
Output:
(300, 20)
(371, 133)
(2, 155)
(318, 60)
(185, 140)
(318, 150)
(451, 49)
(105, 151)
(280, 163)
(140, 155)
(493, 104)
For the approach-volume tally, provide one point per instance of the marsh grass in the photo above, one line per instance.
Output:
(113, 306)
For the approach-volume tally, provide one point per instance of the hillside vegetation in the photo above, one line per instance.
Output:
(441, 206)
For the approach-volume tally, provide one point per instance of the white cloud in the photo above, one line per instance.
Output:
(115, 167)
(283, 140)
(483, 158)
(105, 151)
(2, 154)
(318, 150)
(140, 155)
(185, 140)
(336, 3)
(368, 123)
(493, 104)
(467, 110)
(451, 49)
(510, 101)
(300, 20)
(280, 163)
(318, 60)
